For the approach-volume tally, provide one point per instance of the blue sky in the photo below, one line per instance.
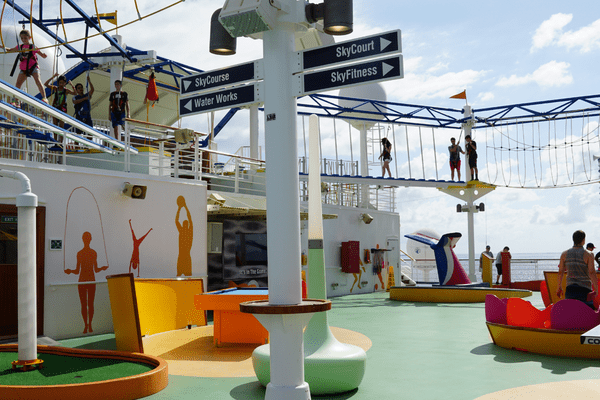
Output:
(501, 52)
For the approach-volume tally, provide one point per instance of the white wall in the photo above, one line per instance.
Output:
(79, 200)
(348, 226)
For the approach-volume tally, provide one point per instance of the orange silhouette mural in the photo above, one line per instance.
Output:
(186, 238)
(135, 254)
(87, 265)
(357, 277)
(378, 265)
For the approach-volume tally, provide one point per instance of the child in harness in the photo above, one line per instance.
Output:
(28, 63)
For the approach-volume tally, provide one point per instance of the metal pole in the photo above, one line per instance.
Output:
(254, 133)
(467, 113)
(364, 166)
(26, 279)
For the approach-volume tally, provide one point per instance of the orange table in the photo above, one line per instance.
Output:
(230, 324)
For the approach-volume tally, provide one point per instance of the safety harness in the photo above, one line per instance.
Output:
(26, 55)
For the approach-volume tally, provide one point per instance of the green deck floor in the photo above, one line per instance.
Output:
(420, 351)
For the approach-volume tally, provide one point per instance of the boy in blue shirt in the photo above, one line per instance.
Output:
(81, 103)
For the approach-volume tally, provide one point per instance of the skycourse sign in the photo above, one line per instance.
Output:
(230, 76)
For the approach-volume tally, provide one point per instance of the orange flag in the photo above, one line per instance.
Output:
(461, 95)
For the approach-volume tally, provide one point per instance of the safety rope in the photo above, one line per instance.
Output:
(97, 15)
(408, 152)
(137, 9)
(2, 19)
(533, 126)
(554, 182)
(422, 156)
(62, 22)
(566, 147)
(31, 24)
(350, 137)
(395, 154)
(435, 156)
(336, 149)
(583, 158)
(518, 161)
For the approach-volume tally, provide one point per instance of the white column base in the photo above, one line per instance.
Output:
(301, 392)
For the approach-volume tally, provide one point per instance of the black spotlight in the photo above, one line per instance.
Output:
(221, 42)
(338, 17)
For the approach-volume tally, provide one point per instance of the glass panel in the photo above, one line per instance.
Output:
(8, 243)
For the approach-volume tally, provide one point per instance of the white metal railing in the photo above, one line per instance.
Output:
(157, 154)
(347, 194)
(521, 270)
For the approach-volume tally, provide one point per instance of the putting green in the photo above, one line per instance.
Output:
(66, 370)
(82, 374)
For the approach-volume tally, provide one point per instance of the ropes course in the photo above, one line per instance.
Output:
(87, 37)
(565, 159)
(527, 153)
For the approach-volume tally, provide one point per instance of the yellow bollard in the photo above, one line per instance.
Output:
(391, 279)
(486, 272)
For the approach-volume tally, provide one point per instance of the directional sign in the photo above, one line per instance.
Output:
(351, 75)
(222, 77)
(352, 50)
(217, 100)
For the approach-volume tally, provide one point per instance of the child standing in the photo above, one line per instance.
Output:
(118, 108)
(81, 102)
(60, 96)
(28, 62)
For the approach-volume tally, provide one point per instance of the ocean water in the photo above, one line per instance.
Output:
(524, 267)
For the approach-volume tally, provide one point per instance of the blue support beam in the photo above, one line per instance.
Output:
(538, 111)
(220, 126)
(381, 111)
(327, 106)
(94, 25)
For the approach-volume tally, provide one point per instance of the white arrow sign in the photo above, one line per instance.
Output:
(383, 43)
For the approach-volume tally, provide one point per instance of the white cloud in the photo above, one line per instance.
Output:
(550, 33)
(439, 66)
(426, 86)
(486, 96)
(586, 38)
(550, 74)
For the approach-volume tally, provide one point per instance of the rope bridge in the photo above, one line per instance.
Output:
(546, 144)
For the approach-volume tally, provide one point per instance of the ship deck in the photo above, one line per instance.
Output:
(417, 351)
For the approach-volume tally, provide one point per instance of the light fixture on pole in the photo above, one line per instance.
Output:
(221, 42)
(336, 15)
